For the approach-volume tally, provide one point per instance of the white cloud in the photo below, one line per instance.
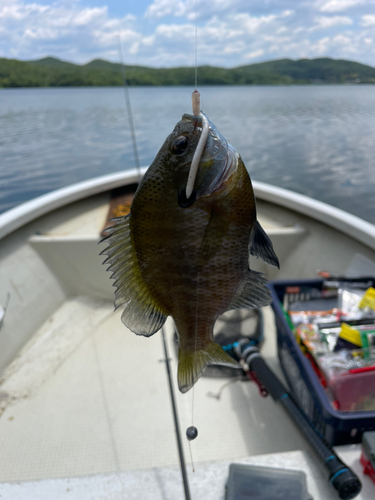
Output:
(175, 31)
(234, 48)
(342, 40)
(187, 8)
(87, 16)
(321, 46)
(17, 12)
(254, 54)
(368, 20)
(287, 13)
(61, 29)
(230, 32)
(162, 8)
(252, 24)
(328, 22)
(338, 5)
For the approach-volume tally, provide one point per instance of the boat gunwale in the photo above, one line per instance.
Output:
(345, 222)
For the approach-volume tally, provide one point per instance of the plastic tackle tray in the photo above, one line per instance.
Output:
(337, 427)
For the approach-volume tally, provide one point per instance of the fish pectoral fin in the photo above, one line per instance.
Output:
(142, 315)
(191, 364)
(261, 246)
(252, 292)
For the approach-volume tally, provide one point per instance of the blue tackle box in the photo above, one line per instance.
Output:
(337, 427)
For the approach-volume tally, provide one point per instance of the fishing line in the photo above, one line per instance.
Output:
(196, 43)
(195, 344)
(189, 189)
(128, 106)
(191, 457)
(192, 432)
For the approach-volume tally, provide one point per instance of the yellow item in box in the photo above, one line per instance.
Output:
(368, 300)
(350, 334)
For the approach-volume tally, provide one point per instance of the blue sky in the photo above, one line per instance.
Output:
(162, 32)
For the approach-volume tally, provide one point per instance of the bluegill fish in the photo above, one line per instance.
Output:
(188, 257)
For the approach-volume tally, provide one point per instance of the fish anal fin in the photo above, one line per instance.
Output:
(142, 314)
(252, 292)
(261, 246)
(192, 363)
(143, 317)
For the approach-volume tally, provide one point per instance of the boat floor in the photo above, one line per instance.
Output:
(87, 401)
(164, 483)
(87, 396)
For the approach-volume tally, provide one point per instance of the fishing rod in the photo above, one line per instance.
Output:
(340, 476)
(176, 421)
(129, 109)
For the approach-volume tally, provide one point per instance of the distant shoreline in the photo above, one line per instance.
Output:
(51, 72)
(324, 84)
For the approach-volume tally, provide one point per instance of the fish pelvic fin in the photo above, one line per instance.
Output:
(261, 246)
(142, 315)
(191, 364)
(252, 292)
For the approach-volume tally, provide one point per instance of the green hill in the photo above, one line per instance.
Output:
(53, 72)
(104, 65)
(52, 62)
(324, 69)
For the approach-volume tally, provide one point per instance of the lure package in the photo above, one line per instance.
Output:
(355, 302)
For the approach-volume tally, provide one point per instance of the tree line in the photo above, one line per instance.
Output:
(52, 72)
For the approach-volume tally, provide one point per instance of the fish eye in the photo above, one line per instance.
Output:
(180, 145)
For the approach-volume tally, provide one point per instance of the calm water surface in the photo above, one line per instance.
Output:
(315, 140)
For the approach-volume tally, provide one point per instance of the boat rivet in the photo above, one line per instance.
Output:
(191, 433)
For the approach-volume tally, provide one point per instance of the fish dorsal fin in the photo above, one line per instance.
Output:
(252, 292)
(141, 314)
(191, 364)
(261, 246)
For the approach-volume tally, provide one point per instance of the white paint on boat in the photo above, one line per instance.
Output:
(339, 219)
(31, 210)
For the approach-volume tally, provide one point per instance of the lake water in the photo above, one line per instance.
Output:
(315, 140)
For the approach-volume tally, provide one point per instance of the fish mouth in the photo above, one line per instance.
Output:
(216, 161)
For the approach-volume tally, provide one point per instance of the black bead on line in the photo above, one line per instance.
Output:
(191, 433)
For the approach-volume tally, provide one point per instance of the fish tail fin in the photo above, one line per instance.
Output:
(191, 363)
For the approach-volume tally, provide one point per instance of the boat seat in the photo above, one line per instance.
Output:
(75, 259)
